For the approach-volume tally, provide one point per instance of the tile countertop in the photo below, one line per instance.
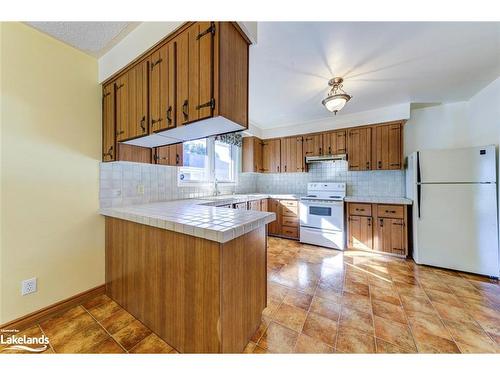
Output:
(381, 200)
(194, 218)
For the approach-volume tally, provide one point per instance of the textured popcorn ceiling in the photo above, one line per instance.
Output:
(94, 38)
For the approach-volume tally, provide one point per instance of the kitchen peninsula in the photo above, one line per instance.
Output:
(193, 273)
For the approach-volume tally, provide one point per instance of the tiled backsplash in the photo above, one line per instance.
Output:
(121, 182)
(366, 183)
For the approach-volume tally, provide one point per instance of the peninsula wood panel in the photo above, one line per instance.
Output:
(244, 289)
(186, 289)
(108, 123)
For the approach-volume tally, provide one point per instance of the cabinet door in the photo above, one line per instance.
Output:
(181, 45)
(391, 236)
(360, 233)
(137, 95)
(252, 154)
(387, 153)
(395, 146)
(161, 88)
(161, 155)
(274, 226)
(292, 159)
(313, 145)
(121, 103)
(108, 123)
(359, 145)
(340, 142)
(271, 156)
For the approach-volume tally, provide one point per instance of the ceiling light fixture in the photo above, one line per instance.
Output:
(337, 98)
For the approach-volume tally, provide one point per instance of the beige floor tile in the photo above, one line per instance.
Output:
(290, 316)
(306, 344)
(320, 328)
(394, 333)
(278, 339)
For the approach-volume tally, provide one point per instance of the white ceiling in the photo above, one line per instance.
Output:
(94, 38)
(382, 64)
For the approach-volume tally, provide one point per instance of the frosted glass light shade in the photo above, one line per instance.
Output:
(335, 103)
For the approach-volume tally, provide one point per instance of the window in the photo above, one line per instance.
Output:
(207, 160)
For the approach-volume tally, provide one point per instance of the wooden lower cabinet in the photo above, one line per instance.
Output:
(287, 218)
(198, 295)
(360, 233)
(378, 227)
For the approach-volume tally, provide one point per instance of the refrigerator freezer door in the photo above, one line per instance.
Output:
(476, 164)
(458, 228)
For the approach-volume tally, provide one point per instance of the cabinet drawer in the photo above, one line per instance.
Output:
(289, 203)
(290, 221)
(360, 209)
(390, 211)
(290, 231)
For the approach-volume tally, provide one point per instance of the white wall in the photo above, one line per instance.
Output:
(462, 124)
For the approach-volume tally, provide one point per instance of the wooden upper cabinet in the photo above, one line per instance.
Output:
(108, 123)
(387, 146)
(121, 107)
(334, 143)
(271, 156)
(162, 88)
(292, 159)
(360, 146)
(168, 155)
(195, 72)
(137, 101)
(252, 154)
(313, 145)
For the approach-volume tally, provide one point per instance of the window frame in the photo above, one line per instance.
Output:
(235, 157)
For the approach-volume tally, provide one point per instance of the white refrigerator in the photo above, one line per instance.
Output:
(455, 219)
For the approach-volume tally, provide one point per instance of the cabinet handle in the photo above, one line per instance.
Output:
(176, 159)
(367, 165)
(379, 164)
(142, 123)
(169, 115)
(390, 212)
(285, 168)
(185, 110)
(278, 168)
(329, 149)
(395, 164)
(320, 150)
(153, 64)
(359, 209)
(153, 121)
(369, 221)
(381, 222)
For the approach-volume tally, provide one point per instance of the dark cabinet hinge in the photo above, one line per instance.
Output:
(210, 104)
(210, 30)
(117, 87)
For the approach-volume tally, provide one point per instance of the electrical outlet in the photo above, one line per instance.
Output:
(140, 189)
(28, 286)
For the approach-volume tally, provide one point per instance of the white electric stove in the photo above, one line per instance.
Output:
(322, 215)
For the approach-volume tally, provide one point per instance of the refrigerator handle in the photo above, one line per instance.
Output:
(419, 187)
(419, 193)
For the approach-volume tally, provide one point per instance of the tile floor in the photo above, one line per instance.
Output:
(323, 301)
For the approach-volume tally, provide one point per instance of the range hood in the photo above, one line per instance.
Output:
(325, 158)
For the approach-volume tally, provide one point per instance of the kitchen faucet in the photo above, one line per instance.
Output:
(216, 187)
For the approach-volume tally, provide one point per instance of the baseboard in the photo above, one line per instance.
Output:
(54, 309)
